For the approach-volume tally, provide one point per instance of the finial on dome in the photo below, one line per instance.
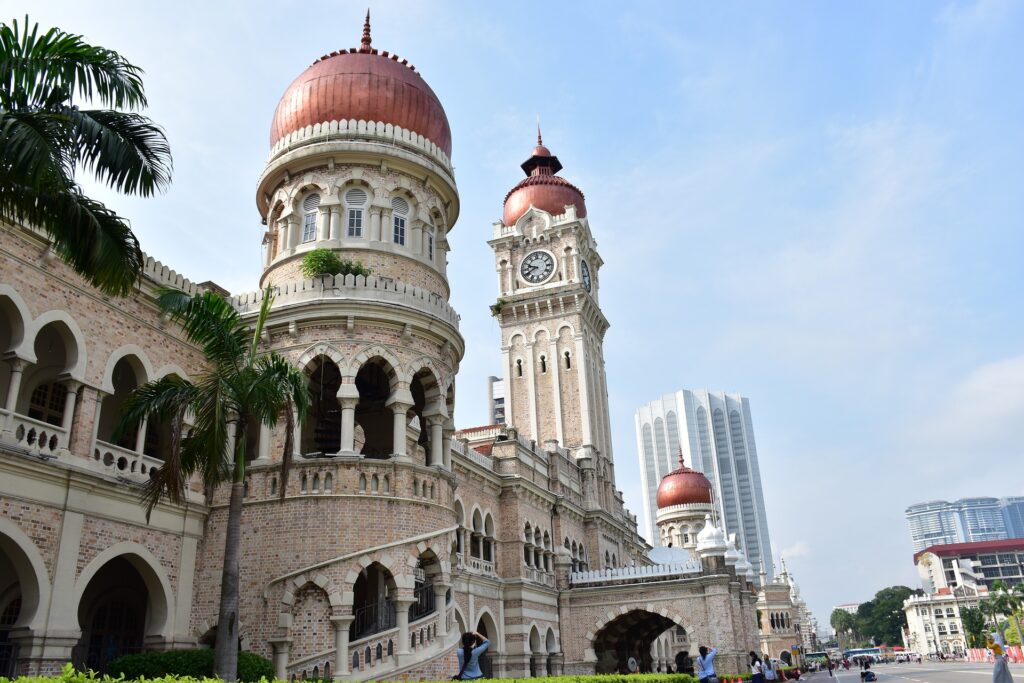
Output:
(540, 142)
(365, 45)
(682, 463)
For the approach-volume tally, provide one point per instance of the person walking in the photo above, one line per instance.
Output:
(770, 674)
(473, 646)
(756, 668)
(684, 663)
(706, 665)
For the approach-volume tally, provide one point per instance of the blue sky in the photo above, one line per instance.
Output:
(818, 205)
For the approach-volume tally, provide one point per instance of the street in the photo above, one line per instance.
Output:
(927, 672)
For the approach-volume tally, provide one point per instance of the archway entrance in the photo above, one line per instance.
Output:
(322, 430)
(374, 420)
(10, 610)
(112, 615)
(488, 630)
(20, 596)
(373, 602)
(629, 635)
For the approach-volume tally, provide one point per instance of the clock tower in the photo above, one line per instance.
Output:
(552, 327)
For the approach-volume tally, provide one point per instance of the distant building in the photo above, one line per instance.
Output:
(933, 621)
(715, 434)
(850, 607)
(496, 400)
(1013, 516)
(965, 564)
(967, 520)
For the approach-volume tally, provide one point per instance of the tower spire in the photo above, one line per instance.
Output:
(365, 45)
(682, 463)
(540, 142)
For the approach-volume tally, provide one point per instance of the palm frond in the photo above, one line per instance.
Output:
(34, 65)
(127, 151)
(261, 322)
(210, 321)
(35, 150)
(92, 239)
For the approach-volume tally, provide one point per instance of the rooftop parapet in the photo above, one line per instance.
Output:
(353, 287)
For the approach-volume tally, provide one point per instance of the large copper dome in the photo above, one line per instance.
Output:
(542, 188)
(364, 85)
(683, 486)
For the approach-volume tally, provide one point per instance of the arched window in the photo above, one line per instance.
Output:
(400, 209)
(568, 361)
(328, 482)
(519, 367)
(355, 200)
(310, 209)
(387, 484)
(362, 482)
(302, 484)
(316, 483)
(374, 484)
(355, 661)
(430, 245)
(273, 485)
(543, 364)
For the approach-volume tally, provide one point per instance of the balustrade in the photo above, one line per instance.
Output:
(35, 436)
(123, 462)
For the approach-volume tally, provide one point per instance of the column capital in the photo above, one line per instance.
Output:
(342, 620)
(404, 602)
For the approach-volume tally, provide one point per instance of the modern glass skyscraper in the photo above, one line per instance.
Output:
(716, 436)
(967, 520)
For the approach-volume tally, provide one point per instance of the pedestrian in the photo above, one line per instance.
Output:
(756, 668)
(770, 672)
(828, 665)
(473, 646)
(706, 665)
(684, 663)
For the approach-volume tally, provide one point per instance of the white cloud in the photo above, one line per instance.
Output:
(798, 549)
(982, 415)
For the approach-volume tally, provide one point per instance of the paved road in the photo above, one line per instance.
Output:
(927, 672)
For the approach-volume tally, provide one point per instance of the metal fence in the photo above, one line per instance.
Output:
(8, 659)
(373, 618)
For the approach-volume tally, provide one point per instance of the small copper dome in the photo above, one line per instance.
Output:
(364, 85)
(542, 188)
(683, 486)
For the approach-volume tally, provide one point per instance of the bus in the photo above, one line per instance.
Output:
(874, 653)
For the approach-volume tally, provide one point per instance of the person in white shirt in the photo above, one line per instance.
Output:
(756, 668)
(706, 663)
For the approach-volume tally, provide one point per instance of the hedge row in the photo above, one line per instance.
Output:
(69, 675)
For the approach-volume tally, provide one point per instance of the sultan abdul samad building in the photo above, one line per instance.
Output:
(396, 531)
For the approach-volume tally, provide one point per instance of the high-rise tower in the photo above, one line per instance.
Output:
(715, 433)
(552, 327)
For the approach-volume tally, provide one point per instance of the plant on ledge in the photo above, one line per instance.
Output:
(321, 262)
(497, 306)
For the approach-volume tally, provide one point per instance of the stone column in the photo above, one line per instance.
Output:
(335, 223)
(400, 402)
(140, 437)
(294, 232)
(374, 225)
(436, 423)
(387, 226)
(341, 626)
(282, 238)
(348, 425)
(281, 647)
(446, 444)
(17, 370)
(264, 447)
(557, 663)
(323, 223)
(402, 606)
(69, 408)
(415, 237)
(440, 593)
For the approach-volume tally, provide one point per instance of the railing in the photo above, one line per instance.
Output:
(8, 659)
(122, 462)
(35, 436)
(479, 459)
(481, 565)
(635, 574)
(373, 618)
(424, 605)
(540, 576)
(358, 287)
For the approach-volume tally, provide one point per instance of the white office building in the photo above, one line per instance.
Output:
(496, 400)
(968, 520)
(715, 433)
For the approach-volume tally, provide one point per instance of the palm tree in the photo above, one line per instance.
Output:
(243, 385)
(45, 138)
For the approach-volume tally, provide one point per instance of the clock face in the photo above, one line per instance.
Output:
(585, 275)
(537, 267)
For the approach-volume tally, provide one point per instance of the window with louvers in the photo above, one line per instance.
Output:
(355, 199)
(310, 208)
(400, 208)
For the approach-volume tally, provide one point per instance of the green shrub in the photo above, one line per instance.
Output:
(193, 663)
(320, 262)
